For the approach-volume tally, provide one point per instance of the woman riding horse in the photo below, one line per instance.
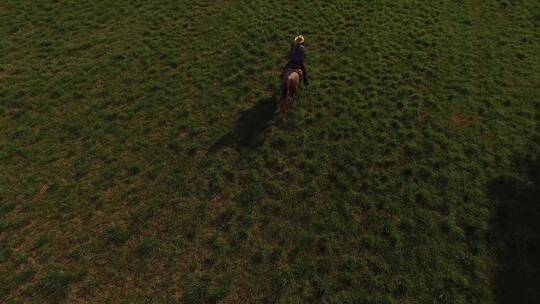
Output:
(293, 72)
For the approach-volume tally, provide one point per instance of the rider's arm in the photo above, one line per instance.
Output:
(291, 52)
(302, 66)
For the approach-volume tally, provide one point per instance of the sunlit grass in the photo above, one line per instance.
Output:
(140, 159)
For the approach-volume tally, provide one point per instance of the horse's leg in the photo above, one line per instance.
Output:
(293, 86)
(284, 96)
(286, 102)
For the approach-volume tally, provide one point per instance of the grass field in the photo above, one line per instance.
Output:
(141, 163)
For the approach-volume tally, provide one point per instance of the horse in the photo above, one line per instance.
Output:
(289, 85)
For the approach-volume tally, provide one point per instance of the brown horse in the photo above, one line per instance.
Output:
(289, 86)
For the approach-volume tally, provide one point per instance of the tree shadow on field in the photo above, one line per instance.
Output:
(516, 233)
(249, 126)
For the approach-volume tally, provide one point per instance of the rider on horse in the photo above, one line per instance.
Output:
(297, 55)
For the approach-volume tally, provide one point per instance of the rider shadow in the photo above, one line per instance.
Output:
(250, 126)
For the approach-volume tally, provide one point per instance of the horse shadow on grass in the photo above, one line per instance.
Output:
(516, 232)
(250, 126)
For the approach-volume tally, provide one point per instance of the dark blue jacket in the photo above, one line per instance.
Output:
(297, 54)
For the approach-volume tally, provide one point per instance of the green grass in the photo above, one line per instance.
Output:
(140, 161)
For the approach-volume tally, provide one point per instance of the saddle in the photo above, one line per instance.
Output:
(288, 71)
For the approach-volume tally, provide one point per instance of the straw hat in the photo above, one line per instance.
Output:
(299, 39)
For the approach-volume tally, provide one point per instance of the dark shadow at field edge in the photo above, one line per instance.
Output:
(249, 126)
(516, 232)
